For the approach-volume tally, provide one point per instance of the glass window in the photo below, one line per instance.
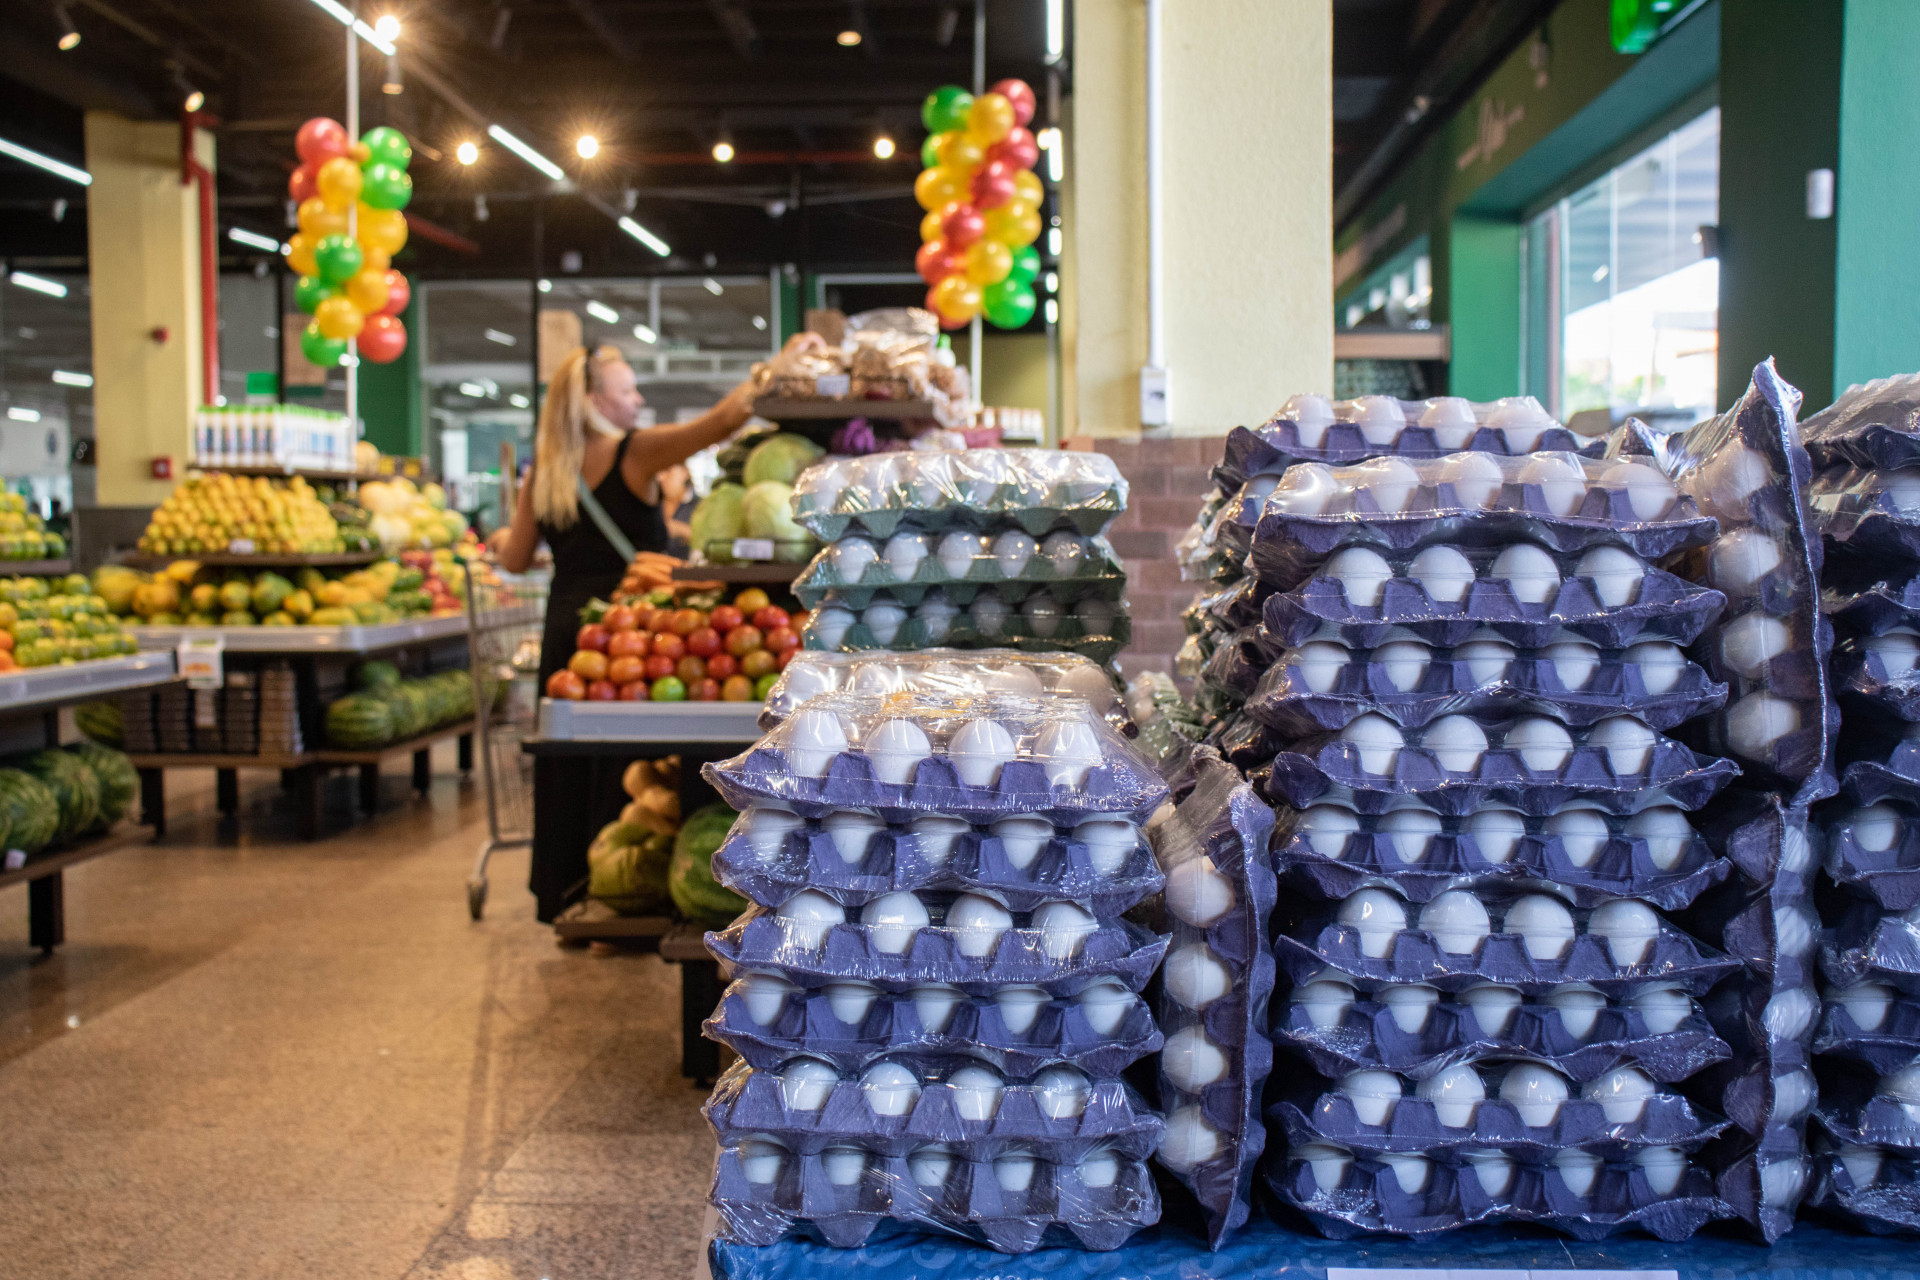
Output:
(46, 380)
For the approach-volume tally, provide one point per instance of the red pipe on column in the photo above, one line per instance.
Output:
(191, 170)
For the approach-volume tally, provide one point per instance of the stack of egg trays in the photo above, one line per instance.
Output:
(1212, 846)
(975, 548)
(934, 993)
(1488, 732)
(973, 672)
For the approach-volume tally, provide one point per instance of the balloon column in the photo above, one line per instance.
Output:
(983, 205)
(346, 281)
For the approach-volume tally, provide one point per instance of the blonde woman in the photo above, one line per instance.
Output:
(587, 446)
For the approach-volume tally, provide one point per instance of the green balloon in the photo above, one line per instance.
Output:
(387, 145)
(338, 258)
(930, 151)
(311, 292)
(1009, 304)
(385, 187)
(946, 108)
(1026, 264)
(320, 349)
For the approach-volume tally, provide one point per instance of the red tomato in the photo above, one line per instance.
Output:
(687, 621)
(651, 619)
(589, 664)
(758, 663)
(592, 636)
(743, 640)
(659, 666)
(770, 617)
(703, 643)
(635, 692)
(737, 689)
(669, 645)
(690, 669)
(780, 663)
(704, 690)
(750, 599)
(620, 618)
(722, 665)
(781, 639)
(798, 621)
(725, 618)
(627, 669)
(565, 684)
(602, 691)
(628, 644)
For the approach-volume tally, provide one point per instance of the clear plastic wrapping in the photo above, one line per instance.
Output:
(952, 672)
(1873, 424)
(1034, 490)
(905, 566)
(1034, 622)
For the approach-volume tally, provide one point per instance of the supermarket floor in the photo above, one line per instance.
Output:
(260, 1058)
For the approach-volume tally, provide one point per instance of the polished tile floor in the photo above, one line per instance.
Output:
(261, 1058)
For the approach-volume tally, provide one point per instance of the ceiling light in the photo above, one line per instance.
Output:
(518, 401)
(1053, 242)
(387, 27)
(1051, 143)
(883, 147)
(588, 146)
(525, 152)
(848, 38)
(504, 339)
(1053, 282)
(712, 286)
(39, 284)
(69, 34)
(67, 379)
(195, 101)
(645, 333)
(473, 389)
(365, 32)
(602, 312)
(253, 240)
(760, 322)
(1600, 273)
(723, 151)
(645, 236)
(1056, 30)
(466, 153)
(546, 286)
(19, 414)
(1053, 311)
(29, 156)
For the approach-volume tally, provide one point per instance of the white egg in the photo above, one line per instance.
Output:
(1758, 721)
(1409, 1004)
(1451, 420)
(883, 619)
(1660, 662)
(1022, 837)
(1487, 659)
(904, 554)
(852, 832)
(933, 836)
(989, 614)
(1069, 750)
(1476, 479)
(843, 1165)
(1540, 744)
(828, 626)
(1458, 922)
(1361, 573)
(1311, 416)
(807, 916)
(892, 919)
(1796, 851)
(936, 615)
(1740, 560)
(1650, 495)
(979, 751)
(1191, 1061)
(1013, 1170)
(1380, 418)
(1578, 1170)
(1662, 1008)
(1901, 489)
(1084, 680)
(1063, 928)
(1544, 924)
(1666, 832)
(959, 551)
(1579, 1007)
(1197, 893)
(767, 829)
(1867, 1003)
(761, 1161)
(1443, 573)
(1456, 1094)
(1496, 833)
(1529, 573)
(1629, 928)
(1782, 1182)
(977, 924)
(1662, 1167)
(1011, 552)
(1411, 832)
(1325, 1001)
(1105, 1005)
(1752, 641)
(1522, 422)
(1042, 614)
(891, 1089)
(1493, 1171)
(1110, 842)
(976, 1093)
(1374, 1095)
(1376, 743)
(1062, 1092)
(930, 1166)
(1903, 1086)
(1574, 663)
(1862, 1164)
(1493, 1006)
(1307, 490)
(1066, 554)
(1616, 575)
(765, 995)
(850, 1000)
(1404, 662)
(813, 739)
(1096, 617)
(1189, 1140)
(1794, 929)
(1020, 1007)
(875, 677)
(1729, 479)
(1327, 1162)
(1195, 977)
(1409, 1171)
(1898, 652)
(1378, 917)
(807, 676)
(1456, 742)
(806, 1083)
(895, 748)
(1628, 744)
(851, 558)
(1535, 1092)
(1789, 1015)
(1320, 663)
(1012, 678)
(1793, 1096)
(1390, 482)
(1560, 480)
(1327, 827)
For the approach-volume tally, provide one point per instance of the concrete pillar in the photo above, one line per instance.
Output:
(143, 242)
(1247, 195)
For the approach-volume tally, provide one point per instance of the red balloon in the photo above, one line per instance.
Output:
(303, 185)
(992, 185)
(944, 322)
(382, 339)
(1020, 94)
(399, 292)
(935, 261)
(961, 225)
(1018, 149)
(320, 140)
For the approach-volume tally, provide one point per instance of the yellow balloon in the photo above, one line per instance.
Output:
(317, 220)
(1013, 224)
(338, 318)
(930, 225)
(938, 187)
(956, 298)
(961, 153)
(1027, 188)
(374, 259)
(367, 290)
(339, 183)
(300, 254)
(990, 117)
(384, 229)
(988, 262)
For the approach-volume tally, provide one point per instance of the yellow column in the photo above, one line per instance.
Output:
(143, 243)
(1247, 194)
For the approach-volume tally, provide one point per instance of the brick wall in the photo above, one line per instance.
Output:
(1168, 479)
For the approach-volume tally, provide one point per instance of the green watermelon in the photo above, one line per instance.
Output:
(627, 869)
(376, 675)
(76, 791)
(101, 721)
(413, 713)
(119, 780)
(29, 811)
(360, 722)
(700, 897)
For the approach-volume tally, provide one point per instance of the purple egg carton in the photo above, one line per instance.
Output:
(1452, 859)
(1866, 941)
(1245, 743)
(1894, 690)
(1057, 1207)
(1891, 1043)
(1332, 768)
(1054, 759)
(1864, 516)
(1666, 608)
(1237, 604)
(1277, 444)
(1896, 777)
(1288, 701)
(898, 1026)
(1239, 662)
(1216, 838)
(1870, 424)
(1856, 1116)
(1877, 609)
(892, 861)
(1370, 1199)
(1762, 1183)
(760, 940)
(1367, 1035)
(1884, 1199)
(1233, 526)
(970, 673)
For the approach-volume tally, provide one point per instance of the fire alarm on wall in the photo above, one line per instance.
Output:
(162, 468)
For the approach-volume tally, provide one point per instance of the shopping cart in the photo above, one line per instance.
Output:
(503, 643)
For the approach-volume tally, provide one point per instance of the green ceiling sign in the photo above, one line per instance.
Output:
(1636, 24)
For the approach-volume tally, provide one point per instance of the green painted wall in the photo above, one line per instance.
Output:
(1877, 255)
(390, 401)
(1483, 271)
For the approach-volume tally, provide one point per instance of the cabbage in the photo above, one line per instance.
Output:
(767, 511)
(718, 520)
(780, 457)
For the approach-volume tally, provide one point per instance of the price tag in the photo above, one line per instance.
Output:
(202, 661)
(753, 548)
(240, 546)
(16, 859)
(833, 384)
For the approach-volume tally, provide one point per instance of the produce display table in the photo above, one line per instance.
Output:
(35, 568)
(42, 688)
(235, 560)
(304, 641)
(46, 887)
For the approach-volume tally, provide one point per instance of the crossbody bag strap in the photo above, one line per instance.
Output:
(608, 529)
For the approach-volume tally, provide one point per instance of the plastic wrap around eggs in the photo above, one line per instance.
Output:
(1104, 1004)
(811, 673)
(1575, 1170)
(975, 922)
(1538, 485)
(937, 489)
(958, 555)
(936, 620)
(769, 832)
(1492, 1008)
(1459, 744)
(1459, 921)
(1446, 574)
(1494, 833)
(1447, 423)
(1405, 665)
(1536, 1093)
